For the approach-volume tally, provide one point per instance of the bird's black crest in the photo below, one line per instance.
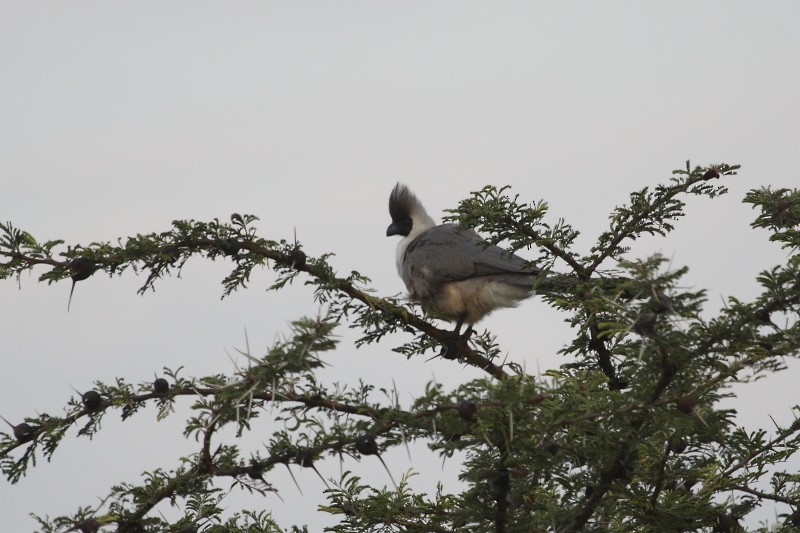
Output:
(401, 203)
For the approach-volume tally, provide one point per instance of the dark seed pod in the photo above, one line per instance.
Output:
(173, 252)
(80, 268)
(669, 368)
(89, 526)
(255, 472)
(230, 247)
(366, 445)
(685, 404)
(449, 352)
(763, 315)
(677, 445)
(131, 527)
(645, 323)
(449, 349)
(502, 481)
(305, 458)
(619, 384)
(161, 386)
(317, 397)
(467, 410)
(519, 472)
(92, 400)
(620, 470)
(660, 303)
(23, 432)
(551, 447)
(727, 524)
(296, 258)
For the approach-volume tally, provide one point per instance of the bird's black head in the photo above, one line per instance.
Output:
(401, 205)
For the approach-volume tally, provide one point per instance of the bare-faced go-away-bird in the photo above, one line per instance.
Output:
(452, 271)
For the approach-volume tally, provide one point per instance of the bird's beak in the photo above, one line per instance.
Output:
(392, 230)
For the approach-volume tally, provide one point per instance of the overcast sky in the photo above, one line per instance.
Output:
(116, 118)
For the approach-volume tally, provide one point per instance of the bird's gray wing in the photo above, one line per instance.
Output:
(447, 253)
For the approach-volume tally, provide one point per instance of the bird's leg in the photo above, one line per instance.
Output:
(450, 346)
(460, 322)
(468, 332)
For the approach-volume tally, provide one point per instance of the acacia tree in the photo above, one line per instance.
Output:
(627, 435)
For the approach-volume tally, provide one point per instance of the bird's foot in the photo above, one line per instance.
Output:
(449, 349)
(453, 343)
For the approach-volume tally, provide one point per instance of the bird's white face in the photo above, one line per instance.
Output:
(409, 219)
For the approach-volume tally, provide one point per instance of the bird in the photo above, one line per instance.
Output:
(451, 270)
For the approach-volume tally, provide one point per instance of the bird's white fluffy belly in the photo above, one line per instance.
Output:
(476, 298)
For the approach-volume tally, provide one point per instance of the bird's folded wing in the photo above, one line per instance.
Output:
(448, 253)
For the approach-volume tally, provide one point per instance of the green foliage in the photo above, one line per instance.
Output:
(627, 435)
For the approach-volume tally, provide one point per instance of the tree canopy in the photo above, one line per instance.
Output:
(626, 435)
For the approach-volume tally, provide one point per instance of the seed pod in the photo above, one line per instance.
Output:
(92, 400)
(23, 432)
(230, 247)
(501, 482)
(366, 445)
(131, 527)
(620, 469)
(619, 384)
(551, 446)
(89, 526)
(727, 524)
(305, 458)
(467, 410)
(80, 268)
(645, 323)
(161, 386)
(454, 437)
(519, 472)
(296, 258)
(173, 252)
(763, 315)
(677, 445)
(660, 303)
(255, 472)
(685, 404)
(449, 349)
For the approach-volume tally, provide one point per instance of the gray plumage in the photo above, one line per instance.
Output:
(452, 271)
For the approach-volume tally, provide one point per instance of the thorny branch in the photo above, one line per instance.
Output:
(666, 384)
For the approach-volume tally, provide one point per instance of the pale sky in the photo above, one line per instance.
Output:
(116, 118)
